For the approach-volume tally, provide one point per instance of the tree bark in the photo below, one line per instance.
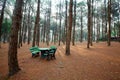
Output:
(29, 25)
(60, 23)
(69, 29)
(12, 52)
(81, 32)
(44, 28)
(48, 24)
(91, 27)
(36, 23)
(66, 21)
(109, 22)
(98, 29)
(74, 24)
(25, 23)
(105, 19)
(89, 21)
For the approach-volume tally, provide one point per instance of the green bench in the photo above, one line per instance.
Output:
(35, 51)
(52, 52)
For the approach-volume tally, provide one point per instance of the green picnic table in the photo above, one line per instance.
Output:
(45, 52)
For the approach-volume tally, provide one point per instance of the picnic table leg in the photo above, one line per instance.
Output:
(48, 57)
(54, 56)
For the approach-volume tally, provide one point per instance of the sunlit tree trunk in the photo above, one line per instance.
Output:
(13, 65)
(1, 18)
(69, 29)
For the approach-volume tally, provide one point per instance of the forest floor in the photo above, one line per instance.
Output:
(100, 62)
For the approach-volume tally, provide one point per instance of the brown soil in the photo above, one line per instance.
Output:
(100, 62)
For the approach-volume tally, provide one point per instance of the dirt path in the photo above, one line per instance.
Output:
(97, 63)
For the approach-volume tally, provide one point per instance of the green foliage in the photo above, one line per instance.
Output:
(82, 3)
(6, 26)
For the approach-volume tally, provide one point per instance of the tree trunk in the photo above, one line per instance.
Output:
(94, 22)
(56, 30)
(25, 23)
(91, 27)
(12, 53)
(20, 38)
(44, 29)
(47, 31)
(48, 24)
(105, 19)
(38, 35)
(25, 32)
(102, 28)
(60, 23)
(22, 33)
(89, 21)
(109, 22)
(94, 29)
(4, 37)
(81, 37)
(29, 26)
(74, 24)
(98, 29)
(66, 21)
(69, 29)
(119, 22)
(1, 18)
(36, 23)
